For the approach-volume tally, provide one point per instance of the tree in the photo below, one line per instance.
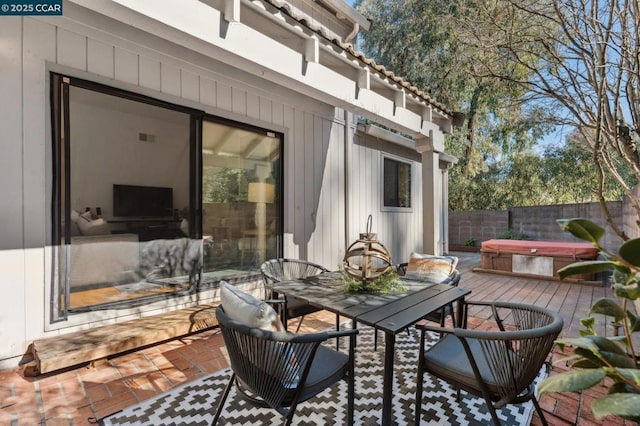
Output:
(421, 41)
(586, 65)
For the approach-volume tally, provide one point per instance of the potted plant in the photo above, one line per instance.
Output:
(596, 357)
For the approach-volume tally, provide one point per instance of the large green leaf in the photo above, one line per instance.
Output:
(579, 342)
(612, 352)
(630, 251)
(631, 291)
(572, 381)
(632, 374)
(593, 356)
(626, 405)
(608, 307)
(634, 322)
(587, 267)
(587, 363)
(583, 229)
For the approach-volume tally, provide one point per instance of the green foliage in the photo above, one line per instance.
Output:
(384, 284)
(224, 185)
(471, 242)
(510, 234)
(596, 357)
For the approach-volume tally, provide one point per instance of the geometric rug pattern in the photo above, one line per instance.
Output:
(194, 403)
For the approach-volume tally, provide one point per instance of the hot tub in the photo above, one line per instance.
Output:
(540, 258)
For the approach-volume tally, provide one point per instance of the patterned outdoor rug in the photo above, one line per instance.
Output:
(194, 403)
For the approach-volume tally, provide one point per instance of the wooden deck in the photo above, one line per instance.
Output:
(571, 299)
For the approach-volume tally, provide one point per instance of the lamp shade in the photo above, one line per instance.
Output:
(261, 192)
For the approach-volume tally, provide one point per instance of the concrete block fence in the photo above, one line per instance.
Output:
(537, 222)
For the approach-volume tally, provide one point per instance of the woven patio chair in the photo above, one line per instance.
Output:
(499, 365)
(440, 315)
(278, 270)
(280, 370)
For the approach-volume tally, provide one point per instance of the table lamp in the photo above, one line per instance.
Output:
(261, 193)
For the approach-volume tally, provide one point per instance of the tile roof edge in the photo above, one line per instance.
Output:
(349, 49)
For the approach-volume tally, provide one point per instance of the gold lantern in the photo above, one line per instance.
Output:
(367, 258)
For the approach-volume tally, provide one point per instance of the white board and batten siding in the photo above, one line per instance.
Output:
(314, 168)
(399, 231)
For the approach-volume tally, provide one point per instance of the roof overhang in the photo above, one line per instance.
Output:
(262, 40)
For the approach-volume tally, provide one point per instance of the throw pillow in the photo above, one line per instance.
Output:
(73, 226)
(430, 268)
(245, 308)
(93, 227)
(86, 217)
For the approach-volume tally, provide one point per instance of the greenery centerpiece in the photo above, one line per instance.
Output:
(389, 282)
(597, 357)
(366, 265)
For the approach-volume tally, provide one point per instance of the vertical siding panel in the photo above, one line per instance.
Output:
(354, 202)
(150, 73)
(224, 96)
(265, 109)
(277, 114)
(12, 257)
(126, 66)
(238, 101)
(190, 85)
(288, 116)
(207, 91)
(330, 232)
(39, 46)
(339, 158)
(299, 186)
(310, 200)
(72, 49)
(170, 79)
(320, 193)
(100, 58)
(253, 105)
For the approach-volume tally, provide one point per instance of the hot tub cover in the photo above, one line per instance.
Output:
(541, 248)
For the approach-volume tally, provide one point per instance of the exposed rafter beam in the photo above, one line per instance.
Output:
(255, 142)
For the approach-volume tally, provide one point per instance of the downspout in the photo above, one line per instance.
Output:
(353, 33)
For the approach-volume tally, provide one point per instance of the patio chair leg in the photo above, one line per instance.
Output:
(299, 324)
(492, 411)
(539, 410)
(223, 399)
(338, 329)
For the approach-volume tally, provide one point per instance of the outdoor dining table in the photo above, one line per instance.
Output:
(390, 313)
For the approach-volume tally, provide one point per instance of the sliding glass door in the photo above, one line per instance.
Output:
(151, 200)
(124, 197)
(241, 198)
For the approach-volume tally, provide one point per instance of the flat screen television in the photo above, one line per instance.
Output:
(142, 201)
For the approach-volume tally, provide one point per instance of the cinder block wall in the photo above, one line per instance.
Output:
(538, 222)
(630, 216)
(479, 224)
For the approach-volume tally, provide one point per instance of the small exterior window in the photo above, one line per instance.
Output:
(396, 184)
